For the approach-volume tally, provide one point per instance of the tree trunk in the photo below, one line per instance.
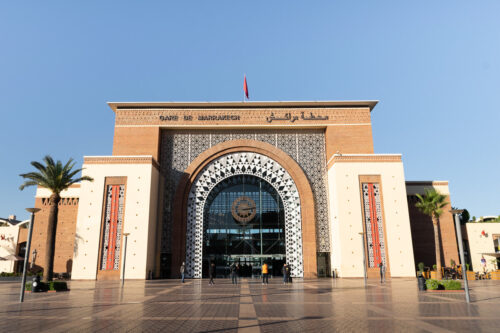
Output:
(50, 243)
(439, 274)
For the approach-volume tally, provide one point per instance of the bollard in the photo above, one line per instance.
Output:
(421, 282)
(35, 285)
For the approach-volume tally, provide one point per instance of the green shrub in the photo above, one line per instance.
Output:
(432, 284)
(434, 267)
(58, 285)
(451, 285)
(5, 274)
(421, 266)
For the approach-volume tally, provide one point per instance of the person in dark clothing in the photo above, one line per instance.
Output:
(211, 272)
(289, 273)
(284, 270)
(382, 272)
(234, 277)
(182, 270)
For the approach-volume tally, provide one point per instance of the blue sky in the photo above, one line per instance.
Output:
(434, 66)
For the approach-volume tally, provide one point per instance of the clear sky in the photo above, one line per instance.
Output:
(434, 66)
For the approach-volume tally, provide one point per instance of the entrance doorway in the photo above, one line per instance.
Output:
(244, 222)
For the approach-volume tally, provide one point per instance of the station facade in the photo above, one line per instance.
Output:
(280, 182)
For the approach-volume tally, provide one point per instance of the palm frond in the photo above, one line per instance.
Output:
(432, 203)
(38, 165)
(53, 175)
(27, 184)
(69, 165)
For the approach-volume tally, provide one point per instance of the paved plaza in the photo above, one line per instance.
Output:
(319, 305)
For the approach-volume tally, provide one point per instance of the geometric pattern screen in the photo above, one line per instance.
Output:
(113, 222)
(243, 163)
(306, 146)
(373, 224)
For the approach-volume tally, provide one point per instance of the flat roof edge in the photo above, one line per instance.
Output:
(426, 182)
(242, 105)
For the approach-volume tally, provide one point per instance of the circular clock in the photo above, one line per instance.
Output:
(243, 209)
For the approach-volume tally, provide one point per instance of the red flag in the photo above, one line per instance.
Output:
(245, 86)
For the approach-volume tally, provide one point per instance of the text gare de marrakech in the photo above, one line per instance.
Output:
(200, 117)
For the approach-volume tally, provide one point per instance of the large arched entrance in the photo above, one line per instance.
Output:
(244, 222)
(206, 192)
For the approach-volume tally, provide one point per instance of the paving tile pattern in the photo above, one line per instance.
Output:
(322, 305)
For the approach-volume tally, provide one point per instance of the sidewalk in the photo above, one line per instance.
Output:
(318, 305)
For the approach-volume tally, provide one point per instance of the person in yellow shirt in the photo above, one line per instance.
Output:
(265, 274)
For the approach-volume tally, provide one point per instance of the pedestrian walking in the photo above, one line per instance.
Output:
(382, 272)
(234, 277)
(211, 272)
(265, 274)
(182, 270)
(483, 264)
(284, 270)
(289, 273)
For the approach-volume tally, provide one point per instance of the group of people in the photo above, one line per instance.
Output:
(236, 270)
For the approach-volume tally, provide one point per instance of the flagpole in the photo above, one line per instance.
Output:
(244, 77)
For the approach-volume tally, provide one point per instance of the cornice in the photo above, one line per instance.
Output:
(361, 158)
(427, 183)
(241, 105)
(121, 160)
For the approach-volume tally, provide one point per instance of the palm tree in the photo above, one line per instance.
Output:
(432, 204)
(56, 177)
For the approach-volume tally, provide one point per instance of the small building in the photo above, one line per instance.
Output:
(13, 235)
(484, 242)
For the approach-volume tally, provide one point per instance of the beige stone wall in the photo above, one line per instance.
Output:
(346, 213)
(139, 214)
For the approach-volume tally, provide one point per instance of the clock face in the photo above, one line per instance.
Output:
(243, 209)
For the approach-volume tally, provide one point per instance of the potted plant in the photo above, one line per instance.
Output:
(420, 269)
(434, 272)
(495, 275)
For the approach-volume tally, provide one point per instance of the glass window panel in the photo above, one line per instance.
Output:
(228, 237)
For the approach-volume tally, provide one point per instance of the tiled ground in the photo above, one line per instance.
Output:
(323, 305)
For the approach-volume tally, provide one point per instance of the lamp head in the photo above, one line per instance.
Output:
(33, 210)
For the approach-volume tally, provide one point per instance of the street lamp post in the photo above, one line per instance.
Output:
(456, 213)
(27, 253)
(124, 256)
(364, 255)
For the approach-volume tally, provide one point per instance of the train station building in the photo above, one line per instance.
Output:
(294, 182)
